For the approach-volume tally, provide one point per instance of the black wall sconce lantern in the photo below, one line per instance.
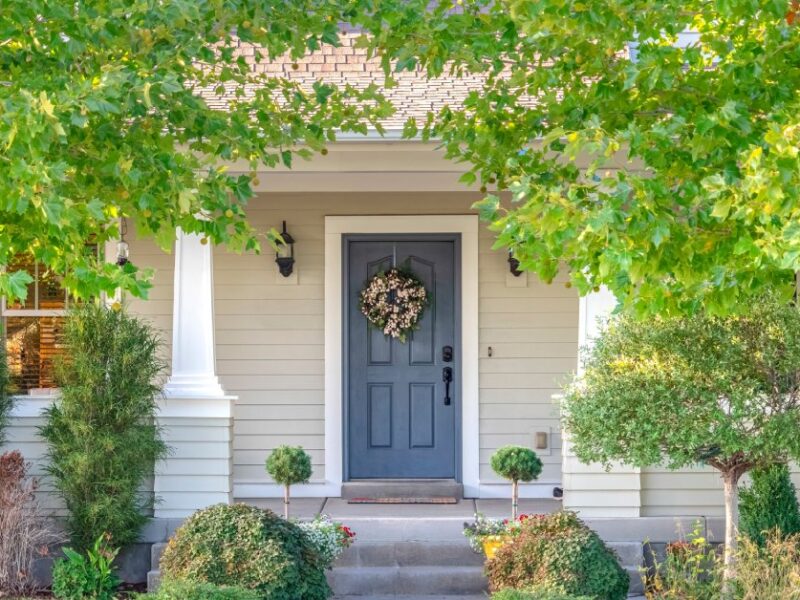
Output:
(513, 265)
(284, 256)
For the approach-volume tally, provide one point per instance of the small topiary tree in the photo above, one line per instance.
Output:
(249, 547)
(102, 439)
(516, 463)
(769, 504)
(558, 553)
(718, 391)
(289, 465)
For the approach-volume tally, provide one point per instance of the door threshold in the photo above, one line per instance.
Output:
(402, 488)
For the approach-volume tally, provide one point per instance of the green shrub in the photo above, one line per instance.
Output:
(195, 590)
(249, 547)
(5, 398)
(289, 465)
(102, 441)
(89, 575)
(770, 571)
(511, 594)
(691, 570)
(558, 552)
(516, 463)
(769, 503)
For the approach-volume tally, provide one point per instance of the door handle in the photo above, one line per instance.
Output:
(447, 377)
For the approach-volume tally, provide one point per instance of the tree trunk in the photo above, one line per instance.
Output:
(514, 499)
(286, 502)
(730, 481)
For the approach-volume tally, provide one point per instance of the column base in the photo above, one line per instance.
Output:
(193, 386)
(199, 469)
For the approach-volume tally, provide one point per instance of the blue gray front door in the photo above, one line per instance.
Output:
(400, 422)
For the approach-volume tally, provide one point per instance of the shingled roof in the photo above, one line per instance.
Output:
(414, 96)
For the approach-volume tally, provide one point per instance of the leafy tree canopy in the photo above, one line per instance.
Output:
(690, 196)
(100, 118)
(690, 199)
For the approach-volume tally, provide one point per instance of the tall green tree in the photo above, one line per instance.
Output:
(659, 163)
(698, 390)
(101, 117)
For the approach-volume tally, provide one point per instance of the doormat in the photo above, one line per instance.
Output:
(414, 500)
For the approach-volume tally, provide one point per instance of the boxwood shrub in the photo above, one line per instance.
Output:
(249, 547)
(558, 552)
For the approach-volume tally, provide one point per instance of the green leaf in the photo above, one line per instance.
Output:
(722, 208)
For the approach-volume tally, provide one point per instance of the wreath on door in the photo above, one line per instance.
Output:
(393, 301)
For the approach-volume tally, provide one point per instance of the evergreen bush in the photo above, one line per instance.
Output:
(516, 463)
(245, 546)
(5, 397)
(558, 553)
(289, 465)
(769, 503)
(102, 440)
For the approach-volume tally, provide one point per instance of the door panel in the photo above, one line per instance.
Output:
(398, 423)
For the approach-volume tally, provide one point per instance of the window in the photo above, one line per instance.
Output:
(32, 331)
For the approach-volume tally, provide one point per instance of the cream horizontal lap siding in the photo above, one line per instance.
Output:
(270, 336)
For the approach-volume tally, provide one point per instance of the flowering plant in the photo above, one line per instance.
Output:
(485, 528)
(328, 537)
(393, 301)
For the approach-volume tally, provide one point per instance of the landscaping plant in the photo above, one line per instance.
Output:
(516, 463)
(769, 504)
(102, 440)
(685, 391)
(483, 528)
(6, 400)
(770, 571)
(691, 570)
(86, 575)
(199, 590)
(328, 537)
(558, 553)
(245, 546)
(289, 465)
(25, 533)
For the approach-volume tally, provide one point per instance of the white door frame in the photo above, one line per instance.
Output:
(335, 228)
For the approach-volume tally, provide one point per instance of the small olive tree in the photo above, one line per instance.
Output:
(289, 465)
(516, 463)
(719, 391)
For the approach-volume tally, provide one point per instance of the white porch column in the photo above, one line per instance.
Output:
(590, 489)
(196, 415)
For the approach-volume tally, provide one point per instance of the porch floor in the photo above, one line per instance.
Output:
(338, 508)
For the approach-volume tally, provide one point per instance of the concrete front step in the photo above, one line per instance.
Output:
(372, 581)
(410, 554)
(403, 488)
